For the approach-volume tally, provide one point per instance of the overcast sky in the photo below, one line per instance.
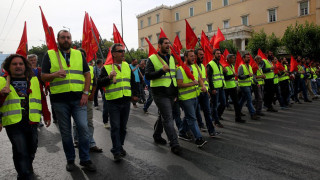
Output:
(70, 13)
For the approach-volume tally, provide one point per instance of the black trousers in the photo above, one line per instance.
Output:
(284, 87)
(269, 92)
(232, 92)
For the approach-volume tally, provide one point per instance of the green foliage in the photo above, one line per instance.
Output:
(228, 44)
(261, 41)
(303, 40)
(135, 54)
(40, 51)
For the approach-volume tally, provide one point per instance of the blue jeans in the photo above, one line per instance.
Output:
(105, 112)
(176, 113)
(198, 115)
(314, 87)
(64, 111)
(149, 101)
(24, 140)
(246, 96)
(218, 103)
(119, 115)
(190, 119)
(205, 106)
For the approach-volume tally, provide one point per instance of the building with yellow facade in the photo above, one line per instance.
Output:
(237, 19)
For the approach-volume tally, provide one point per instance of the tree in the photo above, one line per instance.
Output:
(228, 44)
(303, 40)
(261, 41)
(135, 54)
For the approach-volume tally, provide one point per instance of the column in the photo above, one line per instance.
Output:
(243, 44)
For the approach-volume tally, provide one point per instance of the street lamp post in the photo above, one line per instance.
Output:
(121, 20)
(67, 28)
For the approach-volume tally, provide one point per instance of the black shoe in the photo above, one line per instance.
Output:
(242, 114)
(255, 117)
(55, 121)
(76, 144)
(70, 166)
(218, 124)
(160, 141)
(31, 169)
(200, 142)
(260, 114)
(272, 110)
(96, 149)
(117, 157)
(215, 134)
(176, 150)
(88, 165)
(307, 100)
(221, 118)
(185, 137)
(123, 153)
(239, 120)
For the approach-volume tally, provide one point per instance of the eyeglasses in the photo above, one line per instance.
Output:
(120, 51)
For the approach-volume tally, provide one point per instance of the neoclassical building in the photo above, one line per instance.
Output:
(237, 19)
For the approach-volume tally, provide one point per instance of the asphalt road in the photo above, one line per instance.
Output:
(283, 145)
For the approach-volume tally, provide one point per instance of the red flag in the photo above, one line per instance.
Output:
(180, 63)
(226, 53)
(23, 46)
(87, 38)
(208, 56)
(177, 44)
(95, 35)
(152, 50)
(279, 66)
(109, 59)
(50, 39)
(191, 38)
(253, 64)
(218, 39)
(261, 54)
(239, 61)
(116, 36)
(212, 39)
(223, 61)
(293, 64)
(162, 34)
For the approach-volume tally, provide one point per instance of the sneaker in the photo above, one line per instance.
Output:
(239, 120)
(145, 111)
(284, 108)
(123, 153)
(40, 124)
(70, 166)
(272, 110)
(107, 125)
(176, 150)
(203, 129)
(135, 106)
(160, 141)
(255, 117)
(117, 157)
(88, 165)
(215, 134)
(200, 142)
(96, 107)
(218, 124)
(260, 114)
(95, 149)
(185, 137)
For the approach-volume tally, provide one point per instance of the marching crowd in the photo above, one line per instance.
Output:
(74, 85)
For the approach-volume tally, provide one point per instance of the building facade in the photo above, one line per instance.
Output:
(237, 19)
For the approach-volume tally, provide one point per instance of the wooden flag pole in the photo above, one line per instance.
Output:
(59, 60)
(8, 81)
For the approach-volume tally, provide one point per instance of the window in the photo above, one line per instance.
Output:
(191, 13)
(245, 20)
(225, 2)
(150, 38)
(158, 35)
(141, 24)
(158, 18)
(178, 34)
(142, 42)
(226, 24)
(149, 21)
(304, 8)
(272, 15)
(177, 16)
(209, 27)
(209, 7)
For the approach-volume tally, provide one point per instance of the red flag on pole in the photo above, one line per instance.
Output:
(219, 37)
(226, 53)
(50, 39)
(162, 34)
(223, 61)
(191, 38)
(23, 46)
(116, 36)
(239, 61)
(261, 54)
(293, 64)
(253, 64)
(109, 59)
(279, 66)
(180, 63)
(177, 44)
(152, 50)
(208, 56)
(212, 39)
(95, 35)
(87, 37)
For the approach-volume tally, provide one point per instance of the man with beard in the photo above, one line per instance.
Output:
(69, 94)
(231, 87)
(188, 93)
(216, 84)
(161, 71)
